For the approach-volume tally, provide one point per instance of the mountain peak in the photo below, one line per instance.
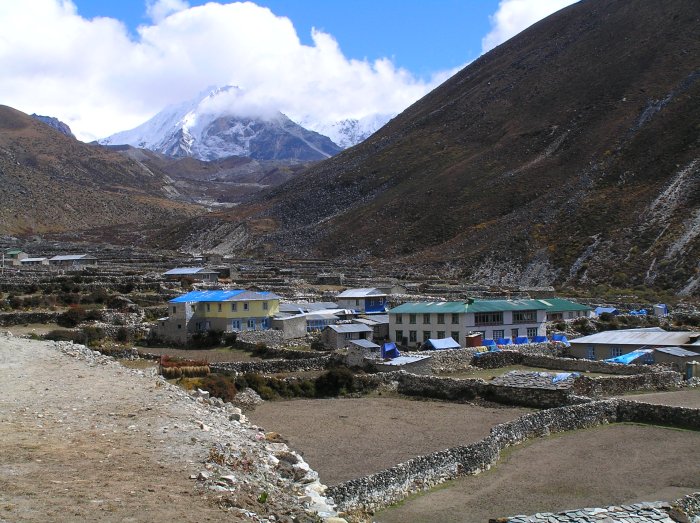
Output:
(219, 123)
(55, 123)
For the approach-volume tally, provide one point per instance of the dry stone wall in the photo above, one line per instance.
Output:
(20, 318)
(612, 385)
(272, 366)
(394, 484)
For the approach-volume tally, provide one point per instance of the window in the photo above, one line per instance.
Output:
(455, 336)
(399, 336)
(174, 309)
(412, 337)
(234, 307)
(245, 305)
(179, 326)
(426, 335)
(440, 334)
(524, 316)
(514, 333)
(531, 332)
(218, 307)
(192, 307)
(235, 325)
(615, 351)
(264, 305)
(208, 307)
(497, 334)
(412, 319)
(455, 319)
(441, 319)
(426, 319)
(399, 318)
(488, 318)
(251, 324)
(590, 352)
(357, 303)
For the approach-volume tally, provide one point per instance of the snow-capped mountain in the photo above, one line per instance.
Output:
(218, 123)
(350, 131)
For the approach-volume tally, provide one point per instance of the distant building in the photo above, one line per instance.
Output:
(359, 351)
(73, 260)
(441, 344)
(610, 344)
(14, 256)
(34, 261)
(195, 273)
(676, 357)
(339, 336)
(218, 310)
(363, 300)
(379, 324)
(414, 323)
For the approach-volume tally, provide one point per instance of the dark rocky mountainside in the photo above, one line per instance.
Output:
(569, 154)
(50, 182)
(54, 122)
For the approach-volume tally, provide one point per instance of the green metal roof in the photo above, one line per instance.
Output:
(562, 305)
(13, 251)
(461, 306)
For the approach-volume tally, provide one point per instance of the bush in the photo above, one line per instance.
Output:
(335, 382)
(219, 386)
(72, 317)
(92, 335)
(317, 345)
(123, 335)
(204, 340)
(65, 335)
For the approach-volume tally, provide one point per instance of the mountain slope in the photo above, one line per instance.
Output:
(569, 154)
(212, 126)
(50, 182)
(54, 122)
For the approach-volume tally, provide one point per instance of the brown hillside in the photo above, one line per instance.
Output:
(567, 154)
(50, 182)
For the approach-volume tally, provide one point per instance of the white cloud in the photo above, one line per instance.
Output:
(97, 78)
(513, 16)
(157, 10)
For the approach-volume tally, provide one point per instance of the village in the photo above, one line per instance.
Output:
(244, 335)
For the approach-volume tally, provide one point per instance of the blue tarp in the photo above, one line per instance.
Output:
(494, 348)
(611, 310)
(520, 340)
(630, 356)
(562, 339)
(563, 376)
(640, 312)
(539, 339)
(389, 350)
(488, 342)
(503, 341)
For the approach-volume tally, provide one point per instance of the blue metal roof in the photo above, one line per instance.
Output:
(196, 296)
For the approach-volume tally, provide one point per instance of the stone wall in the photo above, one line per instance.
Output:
(612, 385)
(272, 366)
(571, 364)
(20, 318)
(394, 484)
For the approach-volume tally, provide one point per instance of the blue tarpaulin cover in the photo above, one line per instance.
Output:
(442, 343)
(630, 356)
(563, 376)
(601, 310)
(539, 339)
(503, 341)
(561, 338)
(389, 350)
(521, 339)
(488, 342)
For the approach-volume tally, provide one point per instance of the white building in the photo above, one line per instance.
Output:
(363, 301)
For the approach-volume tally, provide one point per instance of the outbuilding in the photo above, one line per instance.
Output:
(339, 336)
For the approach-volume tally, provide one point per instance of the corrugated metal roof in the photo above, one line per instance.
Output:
(444, 343)
(224, 295)
(27, 260)
(13, 251)
(562, 305)
(381, 319)
(344, 328)
(403, 360)
(72, 257)
(365, 344)
(636, 337)
(179, 271)
(430, 306)
(361, 293)
(678, 351)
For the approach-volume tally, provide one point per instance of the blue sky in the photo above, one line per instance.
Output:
(423, 36)
(105, 66)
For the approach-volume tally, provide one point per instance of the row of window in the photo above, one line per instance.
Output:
(413, 336)
(219, 307)
(614, 352)
(412, 319)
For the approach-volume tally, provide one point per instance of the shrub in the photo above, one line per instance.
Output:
(203, 340)
(92, 335)
(335, 382)
(65, 335)
(219, 386)
(317, 345)
(123, 335)
(72, 317)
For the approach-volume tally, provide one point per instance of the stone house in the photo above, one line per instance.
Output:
(195, 273)
(339, 336)
(559, 309)
(14, 256)
(73, 260)
(611, 344)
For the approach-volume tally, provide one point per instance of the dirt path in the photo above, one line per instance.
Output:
(680, 398)
(93, 441)
(608, 465)
(346, 438)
